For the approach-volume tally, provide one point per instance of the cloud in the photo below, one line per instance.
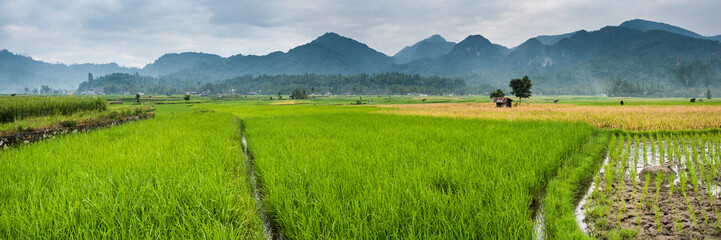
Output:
(135, 32)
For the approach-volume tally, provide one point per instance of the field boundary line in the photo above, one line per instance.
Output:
(271, 229)
(28, 137)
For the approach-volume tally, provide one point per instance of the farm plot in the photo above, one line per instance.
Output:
(32, 114)
(15, 108)
(178, 176)
(341, 175)
(631, 118)
(659, 185)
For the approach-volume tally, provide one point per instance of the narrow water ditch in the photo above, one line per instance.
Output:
(271, 230)
(538, 216)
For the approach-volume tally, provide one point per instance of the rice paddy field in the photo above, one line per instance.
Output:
(411, 167)
(15, 108)
(360, 176)
(663, 185)
(180, 175)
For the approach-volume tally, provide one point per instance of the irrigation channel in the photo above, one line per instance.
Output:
(539, 222)
(664, 187)
(271, 230)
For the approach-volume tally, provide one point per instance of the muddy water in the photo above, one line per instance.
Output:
(267, 226)
(653, 158)
(539, 223)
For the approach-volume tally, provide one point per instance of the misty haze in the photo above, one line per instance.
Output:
(360, 120)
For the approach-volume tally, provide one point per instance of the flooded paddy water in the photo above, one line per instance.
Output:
(657, 186)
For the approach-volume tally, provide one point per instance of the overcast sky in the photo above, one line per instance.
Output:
(135, 33)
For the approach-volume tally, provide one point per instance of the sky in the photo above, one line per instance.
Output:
(134, 33)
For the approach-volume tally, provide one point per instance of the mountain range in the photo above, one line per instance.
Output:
(653, 56)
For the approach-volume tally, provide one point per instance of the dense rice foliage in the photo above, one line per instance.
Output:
(634, 118)
(178, 176)
(567, 188)
(15, 108)
(366, 176)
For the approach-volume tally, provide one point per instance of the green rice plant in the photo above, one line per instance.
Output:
(691, 214)
(661, 149)
(659, 180)
(670, 149)
(657, 216)
(341, 173)
(177, 176)
(653, 147)
(683, 185)
(16, 108)
(677, 220)
(643, 150)
(609, 173)
(693, 178)
(645, 189)
(685, 152)
(671, 185)
(634, 180)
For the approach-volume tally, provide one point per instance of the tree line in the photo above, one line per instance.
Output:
(362, 84)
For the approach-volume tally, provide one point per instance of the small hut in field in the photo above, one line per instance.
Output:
(502, 102)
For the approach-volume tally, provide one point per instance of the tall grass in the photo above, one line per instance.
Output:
(368, 176)
(178, 176)
(15, 108)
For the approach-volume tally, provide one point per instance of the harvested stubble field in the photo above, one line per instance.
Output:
(631, 118)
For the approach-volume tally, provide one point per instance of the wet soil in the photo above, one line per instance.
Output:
(675, 219)
(674, 216)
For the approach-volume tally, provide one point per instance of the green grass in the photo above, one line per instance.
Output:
(328, 172)
(567, 188)
(114, 112)
(342, 173)
(15, 108)
(181, 175)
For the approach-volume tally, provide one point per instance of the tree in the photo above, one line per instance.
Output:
(27, 90)
(521, 88)
(187, 98)
(137, 97)
(44, 89)
(280, 96)
(497, 93)
(708, 93)
(90, 77)
(298, 94)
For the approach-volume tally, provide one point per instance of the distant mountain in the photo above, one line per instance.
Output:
(654, 59)
(174, 62)
(328, 54)
(433, 47)
(645, 25)
(18, 72)
(553, 39)
(358, 55)
(586, 61)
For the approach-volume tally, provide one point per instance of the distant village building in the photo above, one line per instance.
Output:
(502, 102)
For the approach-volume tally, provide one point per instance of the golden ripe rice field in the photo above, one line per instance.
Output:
(632, 118)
